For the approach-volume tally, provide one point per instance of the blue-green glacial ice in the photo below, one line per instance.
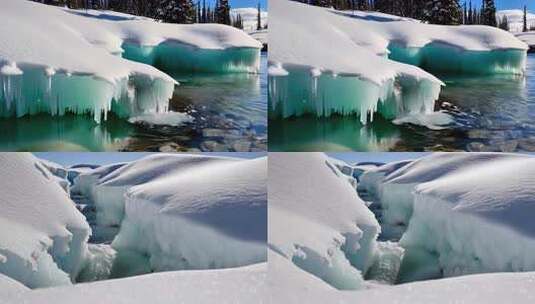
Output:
(76, 67)
(325, 62)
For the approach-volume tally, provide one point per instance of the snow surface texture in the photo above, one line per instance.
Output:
(313, 67)
(173, 208)
(317, 221)
(515, 19)
(42, 235)
(210, 215)
(492, 288)
(464, 213)
(238, 285)
(77, 66)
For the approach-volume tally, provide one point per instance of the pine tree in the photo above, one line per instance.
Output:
(504, 23)
(525, 27)
(447, 12)
(176, 11)
(259, 18)
(488, 13)
(222, 12)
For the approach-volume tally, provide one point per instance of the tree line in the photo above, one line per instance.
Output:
(171, 11)
(447, 12)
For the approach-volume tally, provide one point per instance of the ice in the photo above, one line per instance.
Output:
(99, 265)
(169, 119)
(236, 285)
(434, 121)
(463, 213)
(317, 221)
(206, 214)
(43, 237)
(76, 67)
(376, 83)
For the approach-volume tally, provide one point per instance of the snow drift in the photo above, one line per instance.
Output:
(77, 66)
(463, 213)
(42, 235)
(317, 221)
(207, 215)
(238, 285)
(324, 61)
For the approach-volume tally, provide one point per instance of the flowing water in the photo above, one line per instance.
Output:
(492, 113)
(230, 113)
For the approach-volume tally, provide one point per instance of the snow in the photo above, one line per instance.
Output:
(210, 215)
(175, 119)
(463, 212)
(373, 83)
(515, 19)
(238, 285)
(10, 287)
(43, 237)
(527, 37)
(494, 288)
(249, 17)
(77, 66)
(317, 221)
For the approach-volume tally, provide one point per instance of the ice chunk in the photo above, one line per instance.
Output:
(236, 285)
(76, 68)
(170, 119)
(99, 263)
(42, 235)
(374, 82)
(317, 221)
(182, 216)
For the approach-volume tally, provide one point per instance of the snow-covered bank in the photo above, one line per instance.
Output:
(184, 215)
(77, 66)
(237, 285)
(317, 221)
(166, 212)
(313, 67)
(458, 211)
(491, 288)
(43, 238)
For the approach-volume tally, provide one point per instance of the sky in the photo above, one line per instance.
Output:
(103, 158)
(506, 4)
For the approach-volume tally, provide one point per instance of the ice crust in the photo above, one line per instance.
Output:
(312, 66)
(237, 285)
(43, 239)
(459, 210)
(77, 67)
(317, 221)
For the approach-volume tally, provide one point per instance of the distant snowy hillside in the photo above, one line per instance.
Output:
(312, 64)
(249, 17)
(515, 19)
(71, 61)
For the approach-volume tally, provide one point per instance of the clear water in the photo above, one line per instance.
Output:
(493, 113)
(230, 112)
